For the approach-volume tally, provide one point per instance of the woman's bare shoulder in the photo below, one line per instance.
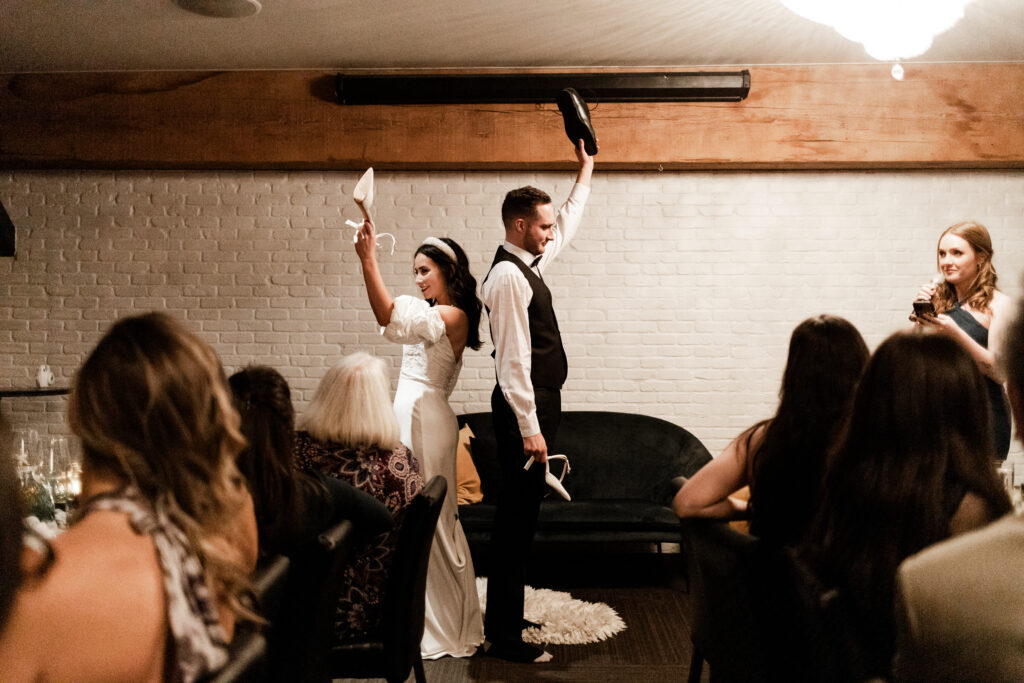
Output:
(452, 315)
(110, 567)
(103, 587)
(1002, 303)
(749, 441)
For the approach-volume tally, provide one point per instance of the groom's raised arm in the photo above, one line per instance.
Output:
(570, 214)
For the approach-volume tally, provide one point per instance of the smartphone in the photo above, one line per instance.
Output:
(924, 308)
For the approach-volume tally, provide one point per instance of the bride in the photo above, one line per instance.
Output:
(435, 331)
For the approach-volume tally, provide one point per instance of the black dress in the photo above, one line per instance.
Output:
(393, 478)
(996, 396)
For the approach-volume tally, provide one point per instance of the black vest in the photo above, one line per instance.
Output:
(548, 365)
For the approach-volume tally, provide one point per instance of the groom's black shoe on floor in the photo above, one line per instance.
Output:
(576, 117)
(530, 624)
(516, 651)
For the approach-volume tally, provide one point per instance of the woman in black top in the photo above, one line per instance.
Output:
(972, 311)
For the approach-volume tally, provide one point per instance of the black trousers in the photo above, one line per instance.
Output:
(515, 519)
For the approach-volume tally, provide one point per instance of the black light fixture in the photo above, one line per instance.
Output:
(700, 86)
(6, 233)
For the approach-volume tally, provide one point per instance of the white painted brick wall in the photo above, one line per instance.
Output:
(676, 299)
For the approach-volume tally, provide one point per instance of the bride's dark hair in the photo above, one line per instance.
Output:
(460, 283)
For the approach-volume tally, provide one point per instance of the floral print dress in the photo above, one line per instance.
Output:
(392, 477)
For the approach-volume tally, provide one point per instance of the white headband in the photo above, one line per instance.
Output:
(439, 244)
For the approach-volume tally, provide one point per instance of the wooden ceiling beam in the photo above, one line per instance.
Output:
(967, 115)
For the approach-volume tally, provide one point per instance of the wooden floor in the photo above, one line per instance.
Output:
(645, 588)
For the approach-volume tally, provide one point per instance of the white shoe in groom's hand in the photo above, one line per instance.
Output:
(553, 481)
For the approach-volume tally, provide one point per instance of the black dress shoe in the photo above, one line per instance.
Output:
(530, 624)
(576, 117)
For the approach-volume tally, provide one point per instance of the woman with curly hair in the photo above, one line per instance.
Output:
(970, 310)
(435, 331)
(349, 432)
(912, 467)
(146, 583)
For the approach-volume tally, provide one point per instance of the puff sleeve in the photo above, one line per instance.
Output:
(413, 321)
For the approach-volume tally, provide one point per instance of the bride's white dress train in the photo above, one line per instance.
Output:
(453, 624)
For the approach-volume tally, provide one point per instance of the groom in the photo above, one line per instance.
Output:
(526, 402)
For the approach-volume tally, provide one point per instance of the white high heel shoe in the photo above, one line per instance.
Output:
(553, 481)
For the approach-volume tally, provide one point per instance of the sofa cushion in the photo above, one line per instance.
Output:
(468, 489)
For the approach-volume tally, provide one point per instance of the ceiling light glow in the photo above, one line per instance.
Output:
(888, 29)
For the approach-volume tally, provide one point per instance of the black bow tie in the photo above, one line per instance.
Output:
(536, 261)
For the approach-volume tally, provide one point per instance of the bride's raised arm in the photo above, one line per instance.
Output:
(381, 300)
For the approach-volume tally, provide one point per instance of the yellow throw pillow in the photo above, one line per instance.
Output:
(469, 490)
(742, 525)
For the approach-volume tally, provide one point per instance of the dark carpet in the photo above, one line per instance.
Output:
(648, 591)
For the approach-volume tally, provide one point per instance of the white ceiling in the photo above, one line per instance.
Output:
(121, 35)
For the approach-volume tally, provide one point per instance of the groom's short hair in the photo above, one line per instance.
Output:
(522, 202)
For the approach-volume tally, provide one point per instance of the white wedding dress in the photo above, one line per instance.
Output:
(453, 624)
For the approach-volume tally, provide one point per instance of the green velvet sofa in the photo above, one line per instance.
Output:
(621, 483)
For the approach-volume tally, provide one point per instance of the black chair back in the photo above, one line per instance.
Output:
(395, 648)
(270, 588)
(811, 632)
(247, 661)
(269, 584)
(724, 632)
(302, 652)
(760, 614)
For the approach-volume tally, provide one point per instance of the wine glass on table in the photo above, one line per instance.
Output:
(57, 466)
(35, 490)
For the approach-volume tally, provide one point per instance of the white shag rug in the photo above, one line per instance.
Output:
(564, 620)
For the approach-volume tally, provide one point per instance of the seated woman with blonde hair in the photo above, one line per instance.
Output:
(349, 431)
(145, 585)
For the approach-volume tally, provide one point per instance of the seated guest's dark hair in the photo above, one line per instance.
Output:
(522, 202)
(264, 403)
(826, 358)
(913, 465)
